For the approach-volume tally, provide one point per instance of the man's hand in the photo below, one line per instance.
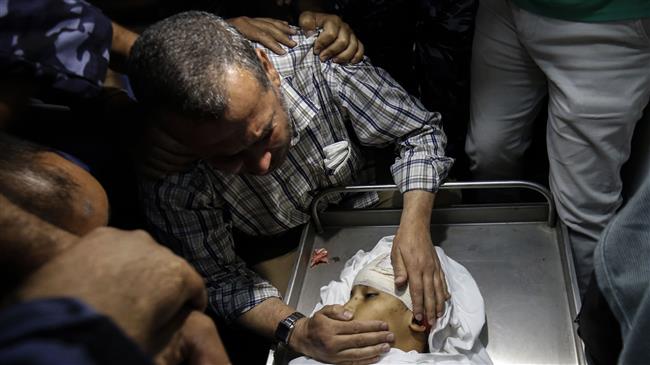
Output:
(269, 32)
(197, 343)
(415, 260)
(336, 40)
(158, 154)
(146, 289)
(331, 336)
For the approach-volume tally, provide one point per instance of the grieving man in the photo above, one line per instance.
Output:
(271, 131)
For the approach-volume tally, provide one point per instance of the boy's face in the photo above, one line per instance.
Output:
(367, 303)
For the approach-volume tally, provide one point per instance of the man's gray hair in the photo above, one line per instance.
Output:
(179, 63)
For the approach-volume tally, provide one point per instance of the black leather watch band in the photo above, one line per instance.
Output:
(286, 326)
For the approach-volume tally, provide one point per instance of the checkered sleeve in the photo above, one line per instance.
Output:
(185, 215)
(383, 113)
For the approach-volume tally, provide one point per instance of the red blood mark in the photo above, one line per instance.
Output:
(319, 257)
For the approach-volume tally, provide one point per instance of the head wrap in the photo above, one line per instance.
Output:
(379, 274)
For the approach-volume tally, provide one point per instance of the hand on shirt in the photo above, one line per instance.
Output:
(415, 260)
(331, 336)
(142, 286)
(336, 40)
(269, 32)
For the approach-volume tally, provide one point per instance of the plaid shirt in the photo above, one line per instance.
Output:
(195, 211)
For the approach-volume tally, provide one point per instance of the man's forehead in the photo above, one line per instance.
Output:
(244, 92)
(247, 113)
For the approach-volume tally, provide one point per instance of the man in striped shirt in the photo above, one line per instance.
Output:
(271, 131)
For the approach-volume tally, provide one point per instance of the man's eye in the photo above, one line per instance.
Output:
(268, 134)
(371, 295)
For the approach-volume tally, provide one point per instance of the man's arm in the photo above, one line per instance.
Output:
(46, 262)
(121, 44)
(197, 342)
(185, 212)
(330, 335)
(158, 291)
(415, 260)
(383, 113)
(27, 242)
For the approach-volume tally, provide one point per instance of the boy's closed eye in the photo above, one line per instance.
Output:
(370, 295)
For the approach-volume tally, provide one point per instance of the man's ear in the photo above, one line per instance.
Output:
(417, 327)
(270, 70)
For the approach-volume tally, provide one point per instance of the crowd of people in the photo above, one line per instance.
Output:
(158, 161)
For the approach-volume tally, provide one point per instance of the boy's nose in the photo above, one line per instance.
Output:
(351, 305)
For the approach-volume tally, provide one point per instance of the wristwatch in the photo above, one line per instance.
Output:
(286, 326)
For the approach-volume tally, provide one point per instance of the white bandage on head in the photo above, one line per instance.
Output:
(379, 274)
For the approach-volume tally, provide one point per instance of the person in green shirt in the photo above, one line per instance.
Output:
(592, 59)
(588, 10)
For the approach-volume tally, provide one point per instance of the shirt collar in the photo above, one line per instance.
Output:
(301, 110)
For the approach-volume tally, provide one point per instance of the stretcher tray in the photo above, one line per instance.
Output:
(518, 256)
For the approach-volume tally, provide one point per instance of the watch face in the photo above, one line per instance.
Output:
(283, 330)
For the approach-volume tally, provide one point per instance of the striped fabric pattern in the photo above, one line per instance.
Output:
(194, 212)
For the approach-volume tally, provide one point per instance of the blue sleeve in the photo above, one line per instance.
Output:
(65, 44)
(63, 331)
(621, 266)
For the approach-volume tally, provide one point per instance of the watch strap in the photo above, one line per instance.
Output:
(285, 327)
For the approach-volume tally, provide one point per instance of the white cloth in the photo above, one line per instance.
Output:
(454, 339)
(379, 274)
(396, 357)
(335, 155)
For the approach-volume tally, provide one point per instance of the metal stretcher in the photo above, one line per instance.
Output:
(517, 254)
